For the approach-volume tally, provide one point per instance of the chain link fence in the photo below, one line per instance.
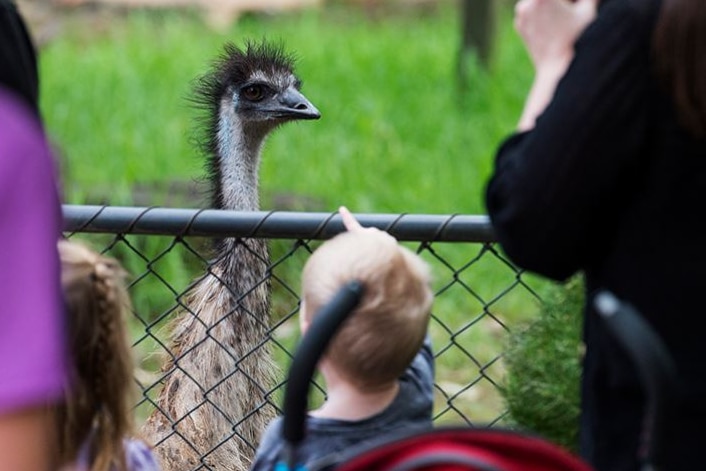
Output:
(480, 295)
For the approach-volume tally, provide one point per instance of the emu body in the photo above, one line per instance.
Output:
(213, 403)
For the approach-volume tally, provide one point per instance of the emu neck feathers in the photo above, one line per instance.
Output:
(238, 161)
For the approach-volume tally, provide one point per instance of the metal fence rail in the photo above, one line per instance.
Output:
(479, 293)
(270, 225)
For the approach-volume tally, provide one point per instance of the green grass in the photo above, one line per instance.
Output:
(396, 136)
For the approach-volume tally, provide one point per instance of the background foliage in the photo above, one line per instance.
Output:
(543, 363)
(397, 135)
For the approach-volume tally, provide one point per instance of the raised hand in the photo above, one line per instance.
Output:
(550, 28)
(350, 222)
(352, 225)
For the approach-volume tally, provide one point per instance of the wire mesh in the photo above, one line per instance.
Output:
(170, 253)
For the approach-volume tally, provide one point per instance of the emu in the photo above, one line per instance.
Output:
(213, 406)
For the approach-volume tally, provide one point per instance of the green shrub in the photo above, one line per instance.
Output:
(543, 360)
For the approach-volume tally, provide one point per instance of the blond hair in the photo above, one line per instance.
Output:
(100, 384)
(386, 330)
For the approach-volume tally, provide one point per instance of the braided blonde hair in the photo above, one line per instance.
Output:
(100, 384)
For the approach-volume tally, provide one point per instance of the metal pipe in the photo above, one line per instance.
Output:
(270, 224)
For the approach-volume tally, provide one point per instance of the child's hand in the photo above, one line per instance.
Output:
(349, 221)
(352, 225)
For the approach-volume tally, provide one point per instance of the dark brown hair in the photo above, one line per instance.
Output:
(18, 58)
(98, 399)
(680, 53)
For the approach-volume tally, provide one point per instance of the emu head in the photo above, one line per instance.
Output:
(247, 93)
(254, 89)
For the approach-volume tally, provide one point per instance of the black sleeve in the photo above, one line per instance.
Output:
(551, 185)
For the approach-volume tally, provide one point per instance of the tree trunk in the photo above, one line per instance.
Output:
(477, 34)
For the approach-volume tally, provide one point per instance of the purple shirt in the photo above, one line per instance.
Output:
(32, 361)
(138, 456)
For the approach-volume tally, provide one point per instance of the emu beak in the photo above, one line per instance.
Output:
(292, 104)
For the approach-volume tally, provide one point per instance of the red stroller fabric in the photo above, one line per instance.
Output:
(463, 449)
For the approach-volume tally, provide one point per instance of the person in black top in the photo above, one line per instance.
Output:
(605, 175)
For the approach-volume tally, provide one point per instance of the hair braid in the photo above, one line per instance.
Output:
(104, 323)
(112, 372)
(98, 404)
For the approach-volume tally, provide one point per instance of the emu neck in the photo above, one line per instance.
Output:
(238, 156)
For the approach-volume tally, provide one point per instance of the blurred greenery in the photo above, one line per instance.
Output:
(544, 368)
(398, 134)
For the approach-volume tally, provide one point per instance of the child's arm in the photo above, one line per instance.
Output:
(270, 448)
(421, 370)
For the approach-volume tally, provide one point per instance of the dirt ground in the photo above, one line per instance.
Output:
(46, 18)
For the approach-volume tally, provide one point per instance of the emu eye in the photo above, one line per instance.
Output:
(254, 92)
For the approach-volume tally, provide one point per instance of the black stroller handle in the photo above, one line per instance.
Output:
(655, 368)
(311, 347)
